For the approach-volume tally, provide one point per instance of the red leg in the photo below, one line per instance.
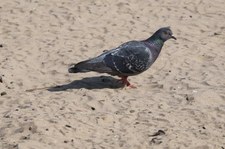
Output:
(126, 82)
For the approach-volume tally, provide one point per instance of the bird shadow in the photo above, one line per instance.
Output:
(89, 83)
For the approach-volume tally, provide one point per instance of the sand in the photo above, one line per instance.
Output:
(179, 102)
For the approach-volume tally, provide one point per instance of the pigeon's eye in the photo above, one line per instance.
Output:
(165, 33)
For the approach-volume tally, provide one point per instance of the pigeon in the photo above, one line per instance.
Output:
(129, 59)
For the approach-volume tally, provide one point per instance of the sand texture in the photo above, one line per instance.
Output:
(179, 102)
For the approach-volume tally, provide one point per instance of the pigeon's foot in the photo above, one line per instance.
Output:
(125, 82)
(131, 86)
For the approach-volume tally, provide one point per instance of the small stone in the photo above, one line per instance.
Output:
(111, 130)
(215, 34)
(137, 123)
(65, 141)
(1, 45)
(68, 126)
(92, 108)
(132, 111)
(161, 132)
(155, 141)
(1, 79)
(6, 116)
(158, 133)
(3, 93)
(15, 146)
(25, 137)
(190, 98)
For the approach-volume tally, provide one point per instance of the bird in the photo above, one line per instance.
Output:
(129, 59)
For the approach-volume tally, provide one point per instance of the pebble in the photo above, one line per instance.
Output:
(155, 141)
(68, 126)
(190, 98)
(215, 34)
(3, 93)
(132, 111)
(158, 133)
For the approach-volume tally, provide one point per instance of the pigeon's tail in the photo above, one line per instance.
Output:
(95, 64)
(79, 67)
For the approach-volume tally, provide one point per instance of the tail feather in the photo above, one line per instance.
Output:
(79, 67)
(90, 65)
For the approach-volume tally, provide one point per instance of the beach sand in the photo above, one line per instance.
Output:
(179, 102)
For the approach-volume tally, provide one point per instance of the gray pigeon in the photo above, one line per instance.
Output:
(130, 58)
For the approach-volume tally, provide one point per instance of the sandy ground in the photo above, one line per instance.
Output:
(179, 102)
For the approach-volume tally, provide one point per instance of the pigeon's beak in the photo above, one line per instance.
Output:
(174, 37)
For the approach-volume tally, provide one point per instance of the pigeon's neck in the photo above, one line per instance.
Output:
(155, 43)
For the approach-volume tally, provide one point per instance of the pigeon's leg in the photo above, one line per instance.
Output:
(126, 82)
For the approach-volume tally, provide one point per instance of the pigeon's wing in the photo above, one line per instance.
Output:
(130, 58)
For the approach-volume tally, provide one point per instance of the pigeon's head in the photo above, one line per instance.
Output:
(164, 34)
